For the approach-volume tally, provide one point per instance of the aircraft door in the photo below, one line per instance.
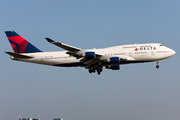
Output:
(42, 58)
(130, 54)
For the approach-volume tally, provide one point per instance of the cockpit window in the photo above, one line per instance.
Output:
(161, 45)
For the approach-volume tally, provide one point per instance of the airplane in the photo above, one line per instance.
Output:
(92, 59)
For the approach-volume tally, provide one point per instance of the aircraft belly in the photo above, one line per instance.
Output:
(50, 60)
(61, 61)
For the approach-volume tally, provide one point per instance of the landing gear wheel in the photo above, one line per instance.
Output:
(157, 66)
(98, 73)
(99, 70)
(90, 71)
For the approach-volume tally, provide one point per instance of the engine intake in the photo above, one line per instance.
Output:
(90, 55)
(113, 60)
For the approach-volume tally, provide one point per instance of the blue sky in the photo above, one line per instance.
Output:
(137, 91)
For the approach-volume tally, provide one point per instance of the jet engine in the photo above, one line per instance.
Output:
(113, 60)
(89, 55)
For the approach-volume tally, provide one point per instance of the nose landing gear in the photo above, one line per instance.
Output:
(157, 66)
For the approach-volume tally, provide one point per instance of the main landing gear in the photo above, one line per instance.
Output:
(157, 66)
(98, 69)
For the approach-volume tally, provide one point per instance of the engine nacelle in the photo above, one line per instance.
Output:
(113, 67)
(89, 55)
(113, 60)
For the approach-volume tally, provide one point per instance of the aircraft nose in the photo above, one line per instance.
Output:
(170, 52)
(173, 52)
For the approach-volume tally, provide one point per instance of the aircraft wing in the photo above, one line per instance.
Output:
(16, 55)
(88, 58)
(64, 46)
(72, 51)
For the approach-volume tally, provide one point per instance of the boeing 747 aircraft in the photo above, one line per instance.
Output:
(92, 59)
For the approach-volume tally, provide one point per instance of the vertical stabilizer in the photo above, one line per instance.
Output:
(19, 44)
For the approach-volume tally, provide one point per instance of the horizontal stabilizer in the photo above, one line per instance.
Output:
(16, 55)
(62, 45)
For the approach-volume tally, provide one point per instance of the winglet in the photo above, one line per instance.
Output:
(49, 40)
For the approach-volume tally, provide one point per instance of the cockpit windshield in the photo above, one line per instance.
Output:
(161, 45)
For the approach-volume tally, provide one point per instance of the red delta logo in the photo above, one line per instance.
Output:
(136, 49)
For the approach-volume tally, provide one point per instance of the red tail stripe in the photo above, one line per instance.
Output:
(17, 39)
(14, 48)
(22, 46)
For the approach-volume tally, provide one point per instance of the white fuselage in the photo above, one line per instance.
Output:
(137, 53)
